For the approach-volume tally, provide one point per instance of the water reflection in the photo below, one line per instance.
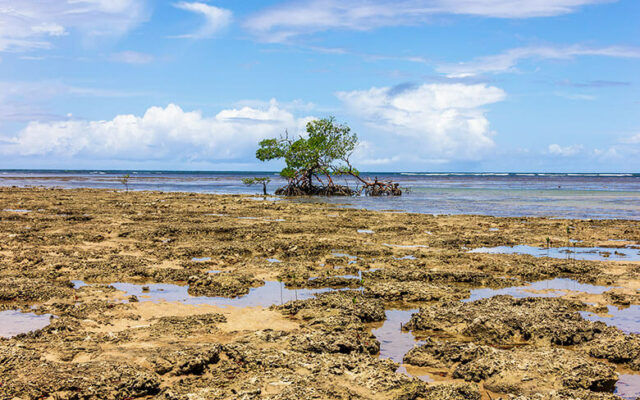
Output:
(549, 288)
(14, 322)
(628, 386)
(394, 342)
(577, 253)
(625, 319)
(272, 293)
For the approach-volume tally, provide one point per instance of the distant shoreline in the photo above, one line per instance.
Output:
(232, 172)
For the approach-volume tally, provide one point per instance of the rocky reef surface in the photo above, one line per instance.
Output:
(243, 298)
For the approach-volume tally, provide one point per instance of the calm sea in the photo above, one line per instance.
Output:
(500, 194)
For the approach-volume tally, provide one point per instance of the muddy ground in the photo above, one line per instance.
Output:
(104, 343)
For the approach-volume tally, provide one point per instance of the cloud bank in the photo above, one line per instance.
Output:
(168, 133)
(445, 121)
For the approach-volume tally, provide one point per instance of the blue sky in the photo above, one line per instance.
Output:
(428, 85)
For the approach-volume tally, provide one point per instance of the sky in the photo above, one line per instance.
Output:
(428, 85)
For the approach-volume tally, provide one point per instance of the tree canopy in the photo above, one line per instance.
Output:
(312, 161)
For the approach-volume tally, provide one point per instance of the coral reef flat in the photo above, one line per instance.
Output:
(106, 294)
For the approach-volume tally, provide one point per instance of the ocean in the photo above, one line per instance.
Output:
(558, 195)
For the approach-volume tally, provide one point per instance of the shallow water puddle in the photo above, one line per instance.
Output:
(338, 254)
(394, 342)
(577, 253)
(272, 293)
(409, 257)
(264, 198)
(273, 260)
(14, 322)
(201, 259)
(415, 372)
(78, 284)
(628, 386)
(368, 231)
(16, 210)
(550, 288)
(352, 259)
(625, 319)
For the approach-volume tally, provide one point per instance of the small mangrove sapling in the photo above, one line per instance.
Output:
(257, 181)
(124, 179)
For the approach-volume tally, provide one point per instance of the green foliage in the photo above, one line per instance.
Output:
(325, 150)
(313, 161)
(255, 181)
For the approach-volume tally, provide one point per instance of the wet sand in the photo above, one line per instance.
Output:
(194, 296)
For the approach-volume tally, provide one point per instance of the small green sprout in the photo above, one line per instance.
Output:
(257, 181)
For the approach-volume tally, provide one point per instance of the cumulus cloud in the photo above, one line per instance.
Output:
(508, 60)
(611, 153)
(31, 24)
(440, 120)
(366, 154)
(168, 133)
(282, 22)
(566, 151)
(216, 19)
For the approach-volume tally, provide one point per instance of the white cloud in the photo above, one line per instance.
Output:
(132, 57)
(366, 154)
(50, 29)
(508, 60)
(160, 134)
(216, 19)
(612, 153)
(515, 8)
(566, 151)
(635, 139)
(30, 24)
(440, 120)
(283, 22)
